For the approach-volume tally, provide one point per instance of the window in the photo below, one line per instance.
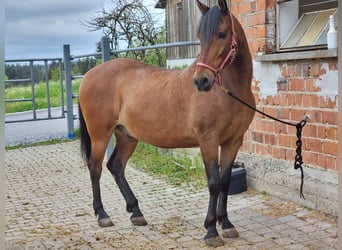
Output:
(303, 24)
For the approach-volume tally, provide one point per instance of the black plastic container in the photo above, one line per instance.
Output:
(238, 182)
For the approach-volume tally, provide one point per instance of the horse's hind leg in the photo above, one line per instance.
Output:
(95, 169)
(125, 147)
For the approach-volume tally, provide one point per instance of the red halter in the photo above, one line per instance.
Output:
(228, 59)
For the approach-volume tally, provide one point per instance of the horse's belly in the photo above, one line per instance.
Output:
(161, 135)
(182, 142)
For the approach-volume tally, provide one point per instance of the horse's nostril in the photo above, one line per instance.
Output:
(201, 81)
(202, 84)
(205, 80)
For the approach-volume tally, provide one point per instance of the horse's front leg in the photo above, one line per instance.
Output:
(210, 158)
(228, 154)
(228, 229)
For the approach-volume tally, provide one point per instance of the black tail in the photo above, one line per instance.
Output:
(85, 138)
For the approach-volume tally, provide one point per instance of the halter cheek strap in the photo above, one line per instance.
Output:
(229, 59)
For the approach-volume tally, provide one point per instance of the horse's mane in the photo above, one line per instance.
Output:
(209, 23)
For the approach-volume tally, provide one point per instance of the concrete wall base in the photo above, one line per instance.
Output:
(278, 177)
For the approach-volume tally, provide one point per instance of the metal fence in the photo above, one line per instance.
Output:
(32, 81)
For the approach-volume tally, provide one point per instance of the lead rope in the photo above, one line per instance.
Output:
(298, 158)
(299, 126)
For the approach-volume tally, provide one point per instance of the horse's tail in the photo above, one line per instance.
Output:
(85, 138)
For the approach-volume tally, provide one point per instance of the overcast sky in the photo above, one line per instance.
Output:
(39, 28)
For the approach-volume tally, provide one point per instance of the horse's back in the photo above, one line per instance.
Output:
(119, 74)
(122, 66)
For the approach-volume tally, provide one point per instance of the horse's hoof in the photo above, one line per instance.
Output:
(230, 233)
(139, 221)
(214, 241)
(105, 222)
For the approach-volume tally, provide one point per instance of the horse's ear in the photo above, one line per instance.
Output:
(202, 7)
(223, 6)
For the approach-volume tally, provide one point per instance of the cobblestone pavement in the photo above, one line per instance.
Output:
(48, 206)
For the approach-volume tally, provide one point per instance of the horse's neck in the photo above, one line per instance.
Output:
(239, 74)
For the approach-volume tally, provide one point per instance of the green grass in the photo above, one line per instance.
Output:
(176, 168)
(48, 142)
(23, 92)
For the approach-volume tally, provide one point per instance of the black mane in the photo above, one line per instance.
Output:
(209, 23)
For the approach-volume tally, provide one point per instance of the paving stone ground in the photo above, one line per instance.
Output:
(49, 206)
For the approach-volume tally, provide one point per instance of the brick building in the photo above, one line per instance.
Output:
(294, 75)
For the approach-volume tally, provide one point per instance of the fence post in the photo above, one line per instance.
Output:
(105, 54)
(33, 91)
(105, 49)
(68, 88)
(48, 99)
(60, 62)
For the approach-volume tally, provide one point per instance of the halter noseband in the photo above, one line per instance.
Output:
(228, 59)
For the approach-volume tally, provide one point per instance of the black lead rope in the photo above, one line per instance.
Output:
(299, 126)
(298, 158)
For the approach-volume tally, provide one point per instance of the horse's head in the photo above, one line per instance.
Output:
(217, 38)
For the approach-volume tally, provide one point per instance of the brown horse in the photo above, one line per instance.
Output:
(172, 109)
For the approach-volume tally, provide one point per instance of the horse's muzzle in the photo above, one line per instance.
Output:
(203, 83)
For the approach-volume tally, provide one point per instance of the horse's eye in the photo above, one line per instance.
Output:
(222, 35)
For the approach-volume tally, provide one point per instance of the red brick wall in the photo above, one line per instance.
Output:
(258, 19)
(300, 90)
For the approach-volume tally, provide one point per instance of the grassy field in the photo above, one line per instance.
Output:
(23, 92)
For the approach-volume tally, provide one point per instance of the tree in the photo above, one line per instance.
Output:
(128, 24)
